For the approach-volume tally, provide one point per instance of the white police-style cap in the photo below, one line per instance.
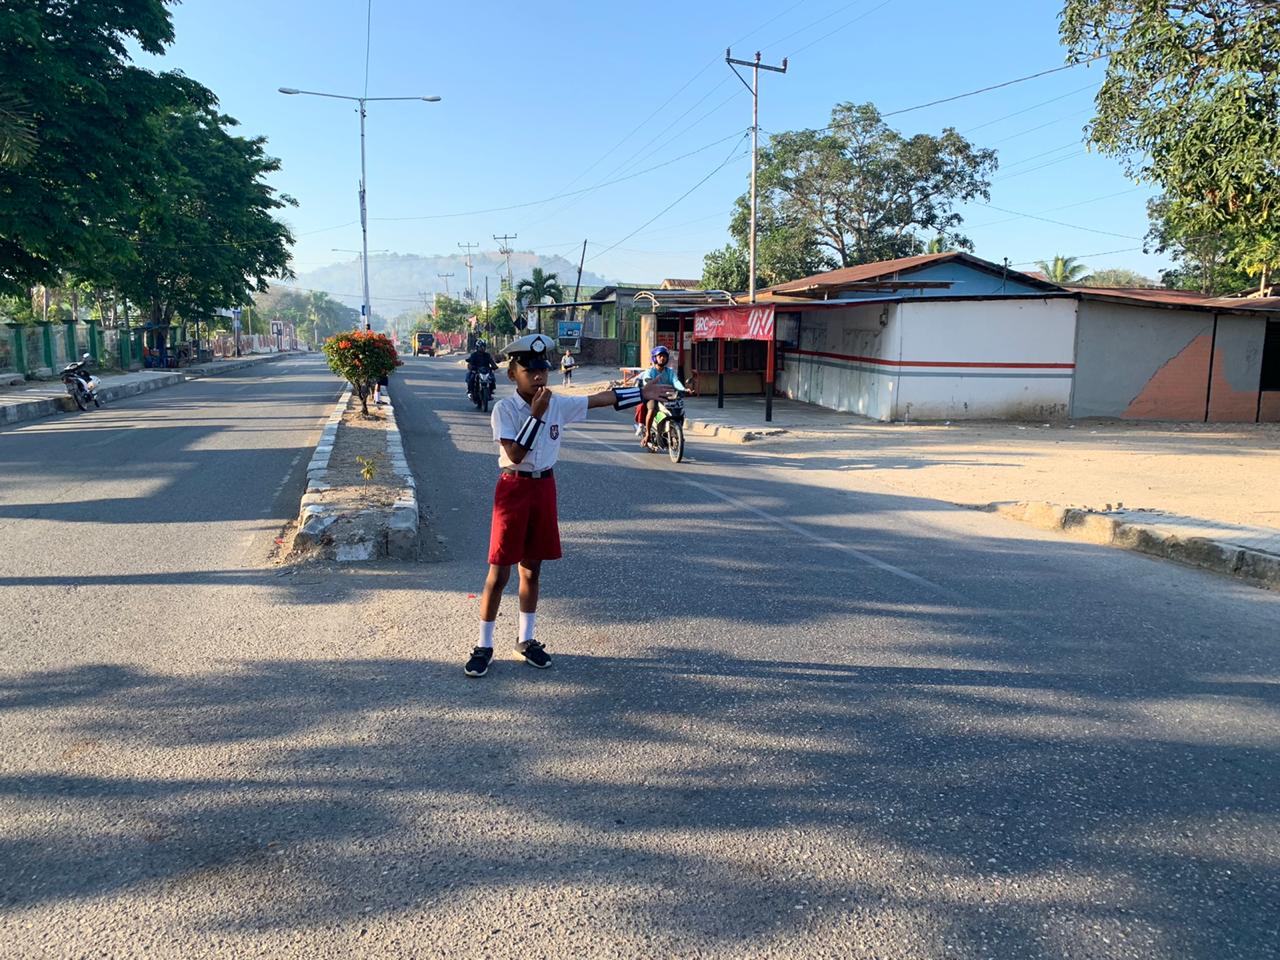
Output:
(531, 351)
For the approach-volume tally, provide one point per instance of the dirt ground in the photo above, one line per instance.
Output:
(1223, 472)
(361, 436)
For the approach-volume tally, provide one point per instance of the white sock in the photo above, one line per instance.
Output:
(526, 626)
(486, 633)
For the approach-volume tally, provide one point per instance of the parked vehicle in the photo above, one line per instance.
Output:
(424, 343)
(82, 386)
(668, 429)
(482, 390)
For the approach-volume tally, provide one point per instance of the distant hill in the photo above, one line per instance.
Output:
(402, 282)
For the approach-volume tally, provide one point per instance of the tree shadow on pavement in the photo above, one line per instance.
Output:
(731, 799)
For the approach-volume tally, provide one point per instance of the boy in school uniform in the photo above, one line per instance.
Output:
(525, 529)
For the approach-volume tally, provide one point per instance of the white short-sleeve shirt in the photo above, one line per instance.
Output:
(509, 415)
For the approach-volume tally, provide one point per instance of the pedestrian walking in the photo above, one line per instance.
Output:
(524, 527)
(378, 388)
(567, 363)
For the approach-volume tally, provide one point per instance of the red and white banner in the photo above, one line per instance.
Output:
(734, 323)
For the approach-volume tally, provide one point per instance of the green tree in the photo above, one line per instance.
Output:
(203, 234)
(1199, 246)
(500, 319)
(726, 269)
(1191, 102)
(1066, 270)
(451, 314)
(68, 84)
(1117, 277)
(858, 192)
(937, 245)
(17, 131)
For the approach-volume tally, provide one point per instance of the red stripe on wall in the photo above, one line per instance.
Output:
(934, 363)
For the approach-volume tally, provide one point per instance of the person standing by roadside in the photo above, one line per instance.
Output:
(567, 363)
(524, 529)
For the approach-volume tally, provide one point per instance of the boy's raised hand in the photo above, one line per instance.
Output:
(652, 390)
(541, 400)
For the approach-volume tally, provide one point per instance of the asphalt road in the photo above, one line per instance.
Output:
(788, 717)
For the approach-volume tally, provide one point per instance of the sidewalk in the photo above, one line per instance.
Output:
(42, 398)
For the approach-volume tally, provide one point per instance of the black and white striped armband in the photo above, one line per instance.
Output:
(525, 435)
(626, 397)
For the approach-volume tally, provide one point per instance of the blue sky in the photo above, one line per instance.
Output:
(543, 99)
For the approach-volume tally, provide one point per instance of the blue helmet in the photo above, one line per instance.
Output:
(659, 351)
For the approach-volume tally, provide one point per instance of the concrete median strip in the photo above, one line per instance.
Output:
(1156, 534)
(339, 522)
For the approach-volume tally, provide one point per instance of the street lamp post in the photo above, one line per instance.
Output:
(365, 308)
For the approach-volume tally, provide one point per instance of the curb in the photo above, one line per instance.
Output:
(47, 406)
(398, 527)
(737, 434)
(1261, 569)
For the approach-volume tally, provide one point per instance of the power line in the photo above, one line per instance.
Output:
(828, 36)
(560, 196)
(724, 163)
(1065, 206)
(1060, 223)
(994, 86)
(1034, 106)
(684, 86)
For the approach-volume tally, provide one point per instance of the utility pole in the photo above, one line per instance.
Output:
(504, 248)
(577, 287)
(445, 277)
(756, 66)
(471, 291)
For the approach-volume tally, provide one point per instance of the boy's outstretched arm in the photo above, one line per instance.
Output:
(621, 398)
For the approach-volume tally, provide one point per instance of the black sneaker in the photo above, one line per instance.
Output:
(534, 653)
(478, 665)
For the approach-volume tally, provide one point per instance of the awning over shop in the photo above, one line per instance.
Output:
(734, 323)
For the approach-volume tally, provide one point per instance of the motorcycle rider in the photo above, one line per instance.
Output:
(660, 372)
(479, 359)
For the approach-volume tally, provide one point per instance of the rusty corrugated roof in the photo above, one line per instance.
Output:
(834, 280)
(1185, 299)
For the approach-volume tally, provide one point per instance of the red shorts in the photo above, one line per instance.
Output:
(525, 526)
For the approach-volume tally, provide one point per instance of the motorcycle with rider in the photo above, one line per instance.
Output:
(480, 379)
(660, 423)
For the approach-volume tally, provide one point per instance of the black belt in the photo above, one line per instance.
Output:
(528, 474)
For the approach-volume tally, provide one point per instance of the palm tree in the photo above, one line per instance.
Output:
(1064, 270)
(539, 288)
(937, 245)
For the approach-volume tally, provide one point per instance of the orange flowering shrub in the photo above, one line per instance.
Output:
(362, 358)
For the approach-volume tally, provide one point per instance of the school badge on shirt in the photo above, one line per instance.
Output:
(555, 431)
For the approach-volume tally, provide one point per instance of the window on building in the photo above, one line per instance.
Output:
(739, 355)
(1271, 357)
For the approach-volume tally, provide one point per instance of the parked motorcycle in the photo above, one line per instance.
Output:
(667, 432)
(82, 386)
(482, 390)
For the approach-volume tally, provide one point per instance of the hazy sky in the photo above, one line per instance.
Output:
(541, 99)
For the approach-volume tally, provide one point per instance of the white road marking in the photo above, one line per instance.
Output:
(793, 527)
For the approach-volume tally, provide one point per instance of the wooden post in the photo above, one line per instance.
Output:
(680, 347)
(768, 380)
(720, 368)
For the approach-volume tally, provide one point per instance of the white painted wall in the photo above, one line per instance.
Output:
(1015, 331)
(841, 384)
(1000, 331)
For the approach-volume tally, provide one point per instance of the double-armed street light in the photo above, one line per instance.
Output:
(365, 309)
